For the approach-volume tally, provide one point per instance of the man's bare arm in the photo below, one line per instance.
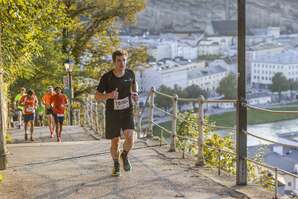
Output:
(105, 96)
(135, 87)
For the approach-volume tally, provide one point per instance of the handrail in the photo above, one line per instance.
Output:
(294, 145)
(146, 102)
(163, 128)
(270, 111)
(207, 100)
(220, 101)
(200, 144)
(163, 111)
(163, 94)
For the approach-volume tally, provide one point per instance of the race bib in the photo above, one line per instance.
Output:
(121, 104)
(60, 115)
(30, 109)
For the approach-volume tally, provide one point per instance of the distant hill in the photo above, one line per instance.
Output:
(196, 15)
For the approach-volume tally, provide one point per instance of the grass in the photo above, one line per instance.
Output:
(253, 116)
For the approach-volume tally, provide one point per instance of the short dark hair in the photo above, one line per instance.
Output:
(30, 92)
(119, 52)
(58, 88)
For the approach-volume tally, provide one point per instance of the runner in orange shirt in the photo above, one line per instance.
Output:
(59, 103)
(30, 103)
(46, 100)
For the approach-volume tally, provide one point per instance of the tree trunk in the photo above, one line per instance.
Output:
(3, 159)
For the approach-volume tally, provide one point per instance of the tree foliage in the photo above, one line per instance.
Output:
(195, 91)
(279, 84)
(39, 36)
(162, 101)
(192, 91)
(228, 87)
(213, 149)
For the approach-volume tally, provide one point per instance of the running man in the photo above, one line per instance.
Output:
(119, 88)
(46, 100)
(59, 103)
(30, 103)
(18, 106)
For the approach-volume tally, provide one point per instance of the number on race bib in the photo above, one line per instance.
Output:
(121, 104)
(30, 109)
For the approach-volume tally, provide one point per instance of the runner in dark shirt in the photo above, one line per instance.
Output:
(119, 88)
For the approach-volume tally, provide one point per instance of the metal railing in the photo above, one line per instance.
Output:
(200, 140)
(94, 118)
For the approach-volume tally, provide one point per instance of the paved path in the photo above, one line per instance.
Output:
(80, 167)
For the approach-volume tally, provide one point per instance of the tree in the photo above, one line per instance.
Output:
(28, 29)
(194, 91)
(279, 84)
(93, 33)
(162, 101)
(227, 87)
(40, 35)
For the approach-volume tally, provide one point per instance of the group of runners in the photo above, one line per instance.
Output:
(118, 88)
(54, 102)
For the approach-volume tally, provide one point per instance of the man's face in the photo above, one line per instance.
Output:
(120, 62)
(50, 90)
(23, 90)
(58, 91)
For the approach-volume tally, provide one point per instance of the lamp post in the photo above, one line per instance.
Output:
(68, 67)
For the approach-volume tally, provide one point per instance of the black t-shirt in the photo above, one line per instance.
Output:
(109, 82)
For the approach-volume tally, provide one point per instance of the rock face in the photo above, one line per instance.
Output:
(195, 15)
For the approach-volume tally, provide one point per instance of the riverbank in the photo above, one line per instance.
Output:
(254, 117)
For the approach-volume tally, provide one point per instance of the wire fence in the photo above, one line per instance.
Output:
(146, 122)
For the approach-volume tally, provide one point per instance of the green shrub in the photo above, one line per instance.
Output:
(8, 138)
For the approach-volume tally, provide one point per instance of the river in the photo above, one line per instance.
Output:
(268, 130)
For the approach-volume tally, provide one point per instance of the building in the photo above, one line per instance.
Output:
(264, 67)
(176, 72)
(147, 77)
(284, 158)
(209, 47)
(168, 72)
(259, 98)
(167, 46)
(207, 78)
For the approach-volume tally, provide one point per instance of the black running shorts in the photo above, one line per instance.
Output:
(49, 111)
(117, 121)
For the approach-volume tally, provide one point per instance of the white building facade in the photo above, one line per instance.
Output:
(166, 72)
(207, 78)
(264, 67)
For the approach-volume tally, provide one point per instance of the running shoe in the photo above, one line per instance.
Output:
(126, 164)
(116, 169)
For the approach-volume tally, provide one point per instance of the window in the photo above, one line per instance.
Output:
(289, 184)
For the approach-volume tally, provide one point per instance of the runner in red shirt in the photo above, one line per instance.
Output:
(59, 103)
(46, 100)
(30, 103)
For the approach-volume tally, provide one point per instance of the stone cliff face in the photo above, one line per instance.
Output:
(195, 15)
